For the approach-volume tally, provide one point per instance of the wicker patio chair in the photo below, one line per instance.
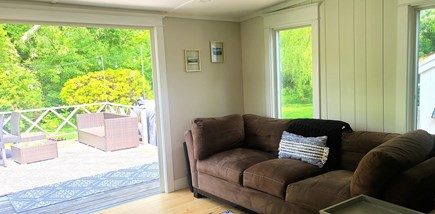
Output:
(107, 131)
(13, 137)
(2, 143)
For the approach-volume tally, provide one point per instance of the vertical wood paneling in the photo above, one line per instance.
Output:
(390, 54)
(358, 44)
(360, 65)
(322, 46)
(347, 63)
(375, 65)
(332, 59)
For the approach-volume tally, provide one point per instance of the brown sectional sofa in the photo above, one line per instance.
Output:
(234, 158)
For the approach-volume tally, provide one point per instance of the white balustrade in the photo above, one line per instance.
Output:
(34, 123)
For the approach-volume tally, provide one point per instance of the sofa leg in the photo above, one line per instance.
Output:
(196, 194)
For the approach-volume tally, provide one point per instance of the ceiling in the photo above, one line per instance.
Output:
(209, 9)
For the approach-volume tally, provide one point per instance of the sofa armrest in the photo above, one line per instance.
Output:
(414, 188)
(192, 161)
(90, 120)
(218, 134)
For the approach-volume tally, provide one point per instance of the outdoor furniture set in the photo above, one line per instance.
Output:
(27, 147)
(104, 131)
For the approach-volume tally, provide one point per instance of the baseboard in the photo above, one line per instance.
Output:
(180, 183)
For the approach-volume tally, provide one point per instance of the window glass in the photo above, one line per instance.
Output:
(295, 72)
(425, 87)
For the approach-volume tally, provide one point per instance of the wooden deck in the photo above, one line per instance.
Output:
(75, 160)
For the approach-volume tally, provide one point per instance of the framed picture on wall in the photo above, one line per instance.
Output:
(216, 51)
(192, 60)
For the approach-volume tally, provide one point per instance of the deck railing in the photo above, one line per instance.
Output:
(31, 119)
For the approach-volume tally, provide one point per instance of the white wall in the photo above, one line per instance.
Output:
(253, 66)
(357, 63)
(215, 91)
(427, 88)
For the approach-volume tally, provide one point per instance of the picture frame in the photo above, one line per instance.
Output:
(192, 60)
(216, 51)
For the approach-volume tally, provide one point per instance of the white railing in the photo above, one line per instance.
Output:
(34, 123)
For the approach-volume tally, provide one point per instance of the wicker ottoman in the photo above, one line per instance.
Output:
(34, 151)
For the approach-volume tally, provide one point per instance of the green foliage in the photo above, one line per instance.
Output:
(123, 86)
(427, 32)
(296, 64)
(19, 88)
(58, 53)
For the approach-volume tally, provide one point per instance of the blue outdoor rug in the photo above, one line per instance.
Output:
(69, 190)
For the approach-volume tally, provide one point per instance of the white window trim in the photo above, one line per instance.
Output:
(44, 13)
(307, 15)
(406, 63)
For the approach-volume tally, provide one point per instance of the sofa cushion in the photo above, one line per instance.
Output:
(320, 191)
(97, 131)
(213, 135)
(229, 165)
(386, 161)
(319, 127)
(311, 150)
(264, 133)
(354, 145)
(273, 176)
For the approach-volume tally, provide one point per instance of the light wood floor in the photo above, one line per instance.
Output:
(181, 201)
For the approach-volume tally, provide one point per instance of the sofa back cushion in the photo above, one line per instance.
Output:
(264, 133)
(386, 161)
(333, 129)
(354, 145)
(213, 135)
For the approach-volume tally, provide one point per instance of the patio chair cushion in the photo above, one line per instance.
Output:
(8, 154)
(98, 131)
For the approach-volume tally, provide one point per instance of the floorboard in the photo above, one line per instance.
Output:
(179, 202)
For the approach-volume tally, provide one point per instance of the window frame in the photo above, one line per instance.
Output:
(83, 16)
(274, 22)
(416, 66)
(407, 63)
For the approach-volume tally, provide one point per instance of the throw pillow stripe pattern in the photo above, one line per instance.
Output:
(308, 149)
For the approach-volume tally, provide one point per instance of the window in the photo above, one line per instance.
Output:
(295, 72)
(425, 75)
(292, 62)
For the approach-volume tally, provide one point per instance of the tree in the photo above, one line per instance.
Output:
(122, 86)
(427, 32)
(19, 87)
(59, 53)
(296, 59)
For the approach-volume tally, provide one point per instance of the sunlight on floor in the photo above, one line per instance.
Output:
(75, 160)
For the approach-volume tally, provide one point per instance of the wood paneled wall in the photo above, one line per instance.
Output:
(358, 62)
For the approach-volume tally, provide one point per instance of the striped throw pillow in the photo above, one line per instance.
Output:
(311, 150)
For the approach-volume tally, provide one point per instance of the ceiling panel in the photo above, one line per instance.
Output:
(213, 9)
(221, 9)
(159, 5)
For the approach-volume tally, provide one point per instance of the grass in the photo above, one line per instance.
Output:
(297, 111)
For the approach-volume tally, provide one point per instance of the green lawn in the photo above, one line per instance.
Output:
(297, 111)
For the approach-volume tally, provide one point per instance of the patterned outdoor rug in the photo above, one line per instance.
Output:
(69, 190)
